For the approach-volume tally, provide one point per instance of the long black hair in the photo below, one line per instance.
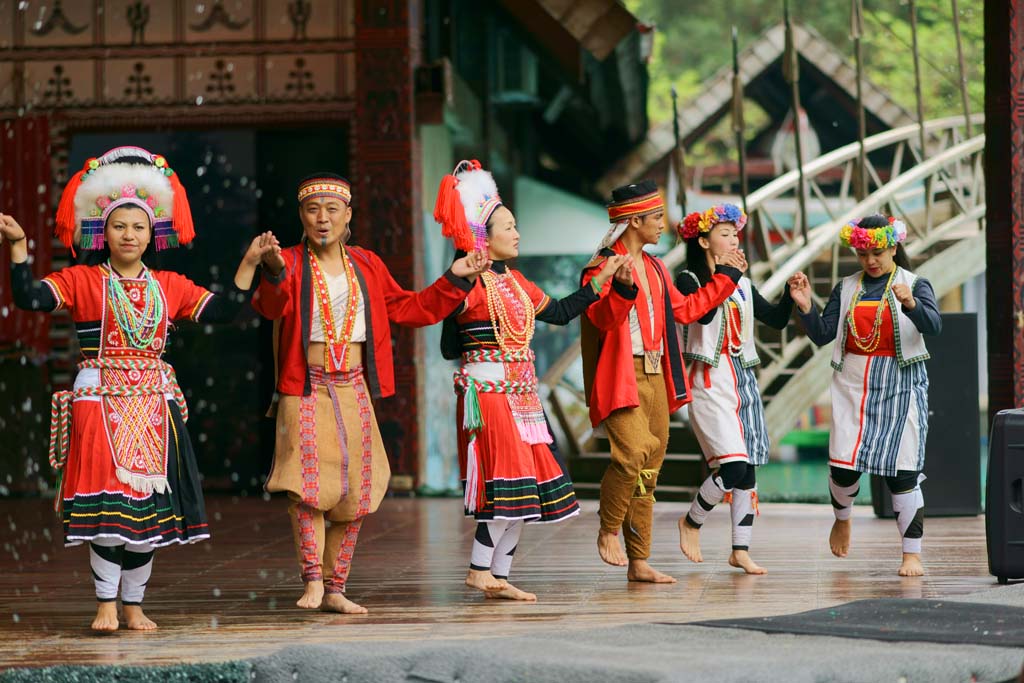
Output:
(696, 261)
(877, 220)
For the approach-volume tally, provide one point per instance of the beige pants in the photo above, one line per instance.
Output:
(639, 438)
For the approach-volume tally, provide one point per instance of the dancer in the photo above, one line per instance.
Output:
(633, 368)
(128, 481)
(509, 472)
(880, 384)
(331, 304)
(726, 414)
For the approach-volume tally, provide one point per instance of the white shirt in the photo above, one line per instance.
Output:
(337, 285)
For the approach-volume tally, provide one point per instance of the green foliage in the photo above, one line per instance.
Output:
(693, 41)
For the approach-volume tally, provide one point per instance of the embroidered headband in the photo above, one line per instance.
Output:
(124, 176)
(325, 186)
(635, 206)
(853, 236)
(466, 200)
(701, 222)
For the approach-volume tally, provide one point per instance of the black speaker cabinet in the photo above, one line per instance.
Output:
(952, 460)
(1004, 496)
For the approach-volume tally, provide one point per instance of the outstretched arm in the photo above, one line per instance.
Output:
(432, 304)
(691, 308)
(28, 294)
(773, 315)
(821, 328)
(617, 296)
(567, 309)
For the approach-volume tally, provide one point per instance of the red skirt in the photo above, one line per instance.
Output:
(520, 480)
(96, 504)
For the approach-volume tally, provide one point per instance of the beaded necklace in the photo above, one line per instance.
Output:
(139, 326)
(868, 343)
(509, 335)
(337, 346)
(736, 330)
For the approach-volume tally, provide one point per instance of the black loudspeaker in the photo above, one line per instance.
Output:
(952, 460)
(1004, 496)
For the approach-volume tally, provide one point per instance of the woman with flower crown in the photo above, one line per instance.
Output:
(128, 481)
(510, 474)
(879, 317)
(727, 415)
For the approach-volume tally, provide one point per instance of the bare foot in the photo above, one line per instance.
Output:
(483, 580)
(741, 559)
(639, 570)
(510, 592)
(136, 620)
(336, 602)
(610, 550)
(839, 539)
(911, 565)
(313, 595)
(106, 617)
(689, 540)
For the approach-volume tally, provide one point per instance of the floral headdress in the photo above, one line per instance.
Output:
(124, 176)
(466, 200)
(701, 222)
(853, 236)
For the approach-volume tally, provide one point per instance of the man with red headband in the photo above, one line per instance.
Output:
(331, 304)
(633, 369)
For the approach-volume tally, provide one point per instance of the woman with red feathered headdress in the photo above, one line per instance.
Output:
(127, 476)
(511, 476)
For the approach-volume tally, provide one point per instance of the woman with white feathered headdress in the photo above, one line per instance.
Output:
(511, 476)
(127, 476)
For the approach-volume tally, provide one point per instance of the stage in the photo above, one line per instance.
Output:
(232, 597)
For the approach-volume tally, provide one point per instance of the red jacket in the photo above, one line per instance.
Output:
(289, 297)
(613, 384)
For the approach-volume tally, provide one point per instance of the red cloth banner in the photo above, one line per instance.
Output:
(25, 193)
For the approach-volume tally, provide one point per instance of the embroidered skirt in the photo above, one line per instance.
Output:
(504, 476)
(879, 415)
(328, 452)
(726, 413)
(97, 503)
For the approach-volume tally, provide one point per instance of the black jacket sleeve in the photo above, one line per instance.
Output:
(29, 294)
(567, 309)
(823, 327)
(773, 315)
(225, 307)
(687, 285)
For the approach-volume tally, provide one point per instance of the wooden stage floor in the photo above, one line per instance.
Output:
(233, 596)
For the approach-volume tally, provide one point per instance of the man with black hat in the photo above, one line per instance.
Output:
(331, 304)
(633, 369)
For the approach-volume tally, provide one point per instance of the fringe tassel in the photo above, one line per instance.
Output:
(449, 212)
(472, 419)
(143, 484)
(182, 212)
(66, 210)
(473, 478)
(166, 242)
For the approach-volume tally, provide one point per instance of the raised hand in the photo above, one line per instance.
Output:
(261, 247)
(905, 296)
(624, 273)
(735, 259)
(611, 265)
(270, 258)
(9, 228)
(800, 290)
(471, 265)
